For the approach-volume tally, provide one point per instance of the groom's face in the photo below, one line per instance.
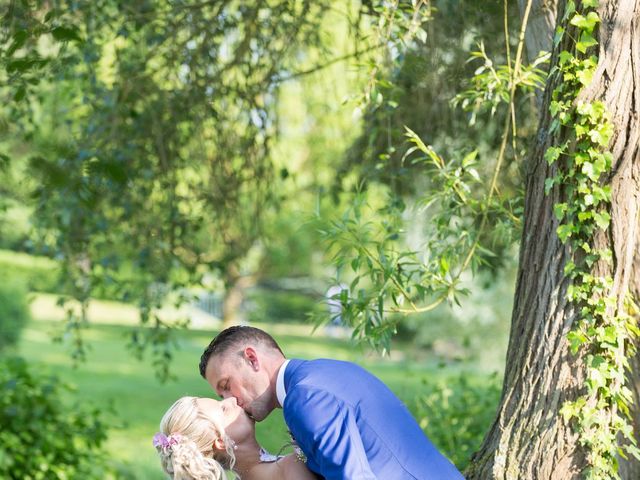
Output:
(239, 374)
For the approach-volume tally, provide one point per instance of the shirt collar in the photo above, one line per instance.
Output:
(281, 393)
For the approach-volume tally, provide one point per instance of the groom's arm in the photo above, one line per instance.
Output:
(326, 431)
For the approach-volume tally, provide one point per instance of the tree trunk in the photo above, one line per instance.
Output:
(235, 287)
(542, 21)
(540, 28)
(529, 439)
(630, 468)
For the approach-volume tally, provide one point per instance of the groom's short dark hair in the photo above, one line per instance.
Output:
(234, 336)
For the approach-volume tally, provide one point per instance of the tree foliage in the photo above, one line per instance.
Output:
(41, 437)
(153, 124)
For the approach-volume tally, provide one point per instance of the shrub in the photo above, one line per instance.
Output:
(14, 224)
(457, 412)
(14, 313)
(39, 274)
(41, 437)
(280, 306)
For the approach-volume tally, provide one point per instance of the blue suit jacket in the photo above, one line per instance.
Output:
(352, 427)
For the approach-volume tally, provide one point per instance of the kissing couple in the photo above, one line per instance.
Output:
(346, 424)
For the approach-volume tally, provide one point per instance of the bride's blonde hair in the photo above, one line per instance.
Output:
(189, 455)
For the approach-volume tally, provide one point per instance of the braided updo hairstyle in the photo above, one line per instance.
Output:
(190, 454)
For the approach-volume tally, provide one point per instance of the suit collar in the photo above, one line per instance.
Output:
(281, 391)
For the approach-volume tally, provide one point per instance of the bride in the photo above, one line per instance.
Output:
(200, 438)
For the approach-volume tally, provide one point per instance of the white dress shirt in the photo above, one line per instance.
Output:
(280, 390)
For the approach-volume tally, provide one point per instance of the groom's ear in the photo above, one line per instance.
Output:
(252, 358)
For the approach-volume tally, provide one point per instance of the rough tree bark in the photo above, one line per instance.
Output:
(529, 439)
(539, 37)
(630, 468)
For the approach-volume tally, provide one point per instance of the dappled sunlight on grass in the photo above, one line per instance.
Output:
(44, 306)
(27, 260)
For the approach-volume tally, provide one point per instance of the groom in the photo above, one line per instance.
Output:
(349, 425)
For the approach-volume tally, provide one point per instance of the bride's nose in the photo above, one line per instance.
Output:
(231, 401)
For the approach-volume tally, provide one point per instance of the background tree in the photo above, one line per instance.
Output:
(161, 170)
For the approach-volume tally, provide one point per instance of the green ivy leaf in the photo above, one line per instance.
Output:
(584, 108)
(576, 340)
(585, 23)
(564, 57)
(580, 158)
(601, 134)
(589, 199)
(610, 335)
(552, 154)
(569, 267)
(584, 76)
(582, 216)
(559, 210)
(569, 410)
(586, 41)
(602, 219)
(581, 130)
(599, 164)
(589, 170)
(564, 232)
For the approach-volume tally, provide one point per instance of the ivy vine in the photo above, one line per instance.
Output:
(602, 331)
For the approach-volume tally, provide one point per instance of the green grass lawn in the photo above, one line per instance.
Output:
(112, 377)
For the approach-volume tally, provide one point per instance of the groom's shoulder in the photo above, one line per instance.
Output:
(324, 372)
(321, 366)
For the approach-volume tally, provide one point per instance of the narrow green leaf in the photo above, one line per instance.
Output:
(557, 38)
(444, 266)
(415, 138)
(21, 92)
(4, 161)
(64, 34)
(570, 8)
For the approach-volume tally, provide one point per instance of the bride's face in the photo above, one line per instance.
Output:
(226, 413)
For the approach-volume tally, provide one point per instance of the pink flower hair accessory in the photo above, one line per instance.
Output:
(161, 441)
